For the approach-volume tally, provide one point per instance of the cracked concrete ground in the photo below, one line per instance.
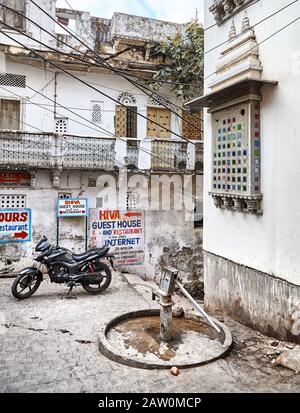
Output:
(48, 344)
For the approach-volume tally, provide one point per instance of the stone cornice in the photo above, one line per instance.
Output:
(225, 9)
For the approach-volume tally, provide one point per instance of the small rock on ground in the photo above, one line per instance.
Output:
(290, 360)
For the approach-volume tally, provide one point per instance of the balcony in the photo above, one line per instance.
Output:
(225, 9)
(69, 152)
(49, 150)
(169, 155)
(26, 149)
(89, 153)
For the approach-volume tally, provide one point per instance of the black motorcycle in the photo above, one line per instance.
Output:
(67, 268)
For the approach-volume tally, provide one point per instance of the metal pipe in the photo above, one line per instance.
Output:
(202, 312)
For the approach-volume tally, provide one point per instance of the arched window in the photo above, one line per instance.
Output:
(126, 98)
(126, 117)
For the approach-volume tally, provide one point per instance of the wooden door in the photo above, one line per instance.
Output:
(120, 121)
(192, 126)
(162, 117)
(9, 114)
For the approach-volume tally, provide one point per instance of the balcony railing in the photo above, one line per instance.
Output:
(132, 158)
(169, 155)
(26, 149)
(89, 153)
(53, 151)
(225, 9)
(49, 150)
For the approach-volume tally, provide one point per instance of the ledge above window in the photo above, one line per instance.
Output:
(225, 9)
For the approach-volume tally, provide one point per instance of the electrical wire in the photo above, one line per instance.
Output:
(83, 81)
(258, 44)
(100, 128)
(107, 65)
(85, 153)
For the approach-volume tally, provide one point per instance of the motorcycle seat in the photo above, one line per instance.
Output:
(86, 255)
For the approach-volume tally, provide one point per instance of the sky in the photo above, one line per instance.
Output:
(171, 10)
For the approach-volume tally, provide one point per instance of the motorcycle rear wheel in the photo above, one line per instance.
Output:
(24, 282)
(99, 288)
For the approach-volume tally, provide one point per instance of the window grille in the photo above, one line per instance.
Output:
(61, 126)
(126, 122)
(64, 195)
(12, 201)
(10, 79)
(192, 125)
(97, 109)
(132, 202)
(92, 182)
(127, 98)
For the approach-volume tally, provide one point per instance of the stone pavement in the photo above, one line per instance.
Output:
(49, 344)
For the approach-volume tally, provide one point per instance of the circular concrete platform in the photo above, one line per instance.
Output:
(134, 340)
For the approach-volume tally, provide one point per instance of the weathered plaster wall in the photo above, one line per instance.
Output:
(42, 201)
(265, 303)
(142, 28)
(269, 243)
(170, 238)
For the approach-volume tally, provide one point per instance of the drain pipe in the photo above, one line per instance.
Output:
(201, 311)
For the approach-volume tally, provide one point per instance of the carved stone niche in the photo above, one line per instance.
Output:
(225, 9)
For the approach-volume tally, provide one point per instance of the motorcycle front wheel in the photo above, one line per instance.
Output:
(25, 285)
(105, 283)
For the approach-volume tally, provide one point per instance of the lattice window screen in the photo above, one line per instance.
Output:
(12, 201)
(163, 118)
(131, 123)
(126, 122)
(61, 126)
(10, 79)
(192, 125)
(120, 121)
(10, 17)
(132, 202)
(10, 114)
(92, 182)
(97, 112)
(64, 195)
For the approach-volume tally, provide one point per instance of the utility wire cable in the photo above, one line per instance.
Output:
(83, 81)
(111, 135)
(147, 174)
(107, 65)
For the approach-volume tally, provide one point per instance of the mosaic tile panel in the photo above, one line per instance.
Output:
(232, 151)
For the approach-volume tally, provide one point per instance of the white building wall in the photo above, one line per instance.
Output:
(268, 243)
(76, 96)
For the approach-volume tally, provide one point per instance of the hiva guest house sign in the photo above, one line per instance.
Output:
(122, 231)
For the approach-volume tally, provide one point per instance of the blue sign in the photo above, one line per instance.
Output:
(15, 225)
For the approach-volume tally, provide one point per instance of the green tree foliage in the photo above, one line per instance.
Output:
(184, 62)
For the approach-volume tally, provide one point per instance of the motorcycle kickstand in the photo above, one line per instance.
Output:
(69, 296)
